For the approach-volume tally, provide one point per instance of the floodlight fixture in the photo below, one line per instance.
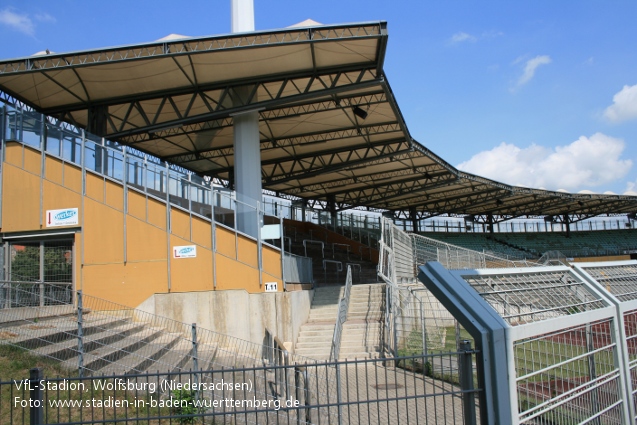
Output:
(359, 112)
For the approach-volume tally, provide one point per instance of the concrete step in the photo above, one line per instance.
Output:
(325, 308)
(365, 316)
(322, 317)
(107, 354)
(179, 357)
(324, 299)
(318, 346)
(359, 355)
(352, 325)
(314, 347)
(346, 350)
(324, 312)
(367, 295)
(69, 348)
(374, 299)
(360, 333)
(368, 288)
(318, 326)
(142, 359)
(363, 338)
(315, 356)
(365, 307)
(329, 316)
(306, 334)
(40, 334)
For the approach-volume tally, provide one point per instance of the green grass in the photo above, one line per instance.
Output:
(15, 364)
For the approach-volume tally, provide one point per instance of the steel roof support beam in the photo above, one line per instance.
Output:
(391, 190)
(299, 170)
(456, 198)
(218, 99)
(376, 181)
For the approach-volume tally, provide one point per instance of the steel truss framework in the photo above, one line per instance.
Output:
(332, 133)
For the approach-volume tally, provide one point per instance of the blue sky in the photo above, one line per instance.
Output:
(534, 93)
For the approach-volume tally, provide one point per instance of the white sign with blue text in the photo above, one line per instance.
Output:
(186, 251)
(65, 217)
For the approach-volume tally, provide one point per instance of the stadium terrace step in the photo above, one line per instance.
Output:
(42, 333)
(142, 359)
(178, 358)
(69, 348)
(104, 355)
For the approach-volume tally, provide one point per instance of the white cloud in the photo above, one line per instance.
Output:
(530, 68)
(631, 189)
(624, 105)
(587, 162)
(21, 23)
(44, 17)
(460, 37)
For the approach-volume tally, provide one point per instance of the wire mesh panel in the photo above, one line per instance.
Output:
(40, 274)
(569, 376)
(563, 343)
(533, 296)
(422, 324)
(620, 280)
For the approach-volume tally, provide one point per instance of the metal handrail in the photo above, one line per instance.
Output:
(341, 316)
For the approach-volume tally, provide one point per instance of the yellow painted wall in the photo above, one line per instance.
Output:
(126, 254)
(20, 200)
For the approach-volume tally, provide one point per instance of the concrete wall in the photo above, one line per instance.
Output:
(236, 312)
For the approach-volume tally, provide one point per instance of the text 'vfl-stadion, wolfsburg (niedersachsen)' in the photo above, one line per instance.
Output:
(241, 229)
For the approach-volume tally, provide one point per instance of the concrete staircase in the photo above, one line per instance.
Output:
(362, 331)
(315, 336)
(112, 344)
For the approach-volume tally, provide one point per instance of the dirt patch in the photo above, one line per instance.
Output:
(7, 335)
(33, 327)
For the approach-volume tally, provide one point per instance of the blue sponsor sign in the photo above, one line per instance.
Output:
(186, 251)
(65, 217)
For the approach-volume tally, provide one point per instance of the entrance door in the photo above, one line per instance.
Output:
(40, 272)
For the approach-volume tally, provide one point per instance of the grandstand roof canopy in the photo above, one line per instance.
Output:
(330, 127)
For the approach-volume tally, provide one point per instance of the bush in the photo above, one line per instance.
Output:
(185, 405)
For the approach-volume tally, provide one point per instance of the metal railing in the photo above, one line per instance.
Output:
(297, 269)
(521, 226)
(401, 253)
(200, 195)
(341, 316)
(455, 257)
(32, 294)
(372, 391)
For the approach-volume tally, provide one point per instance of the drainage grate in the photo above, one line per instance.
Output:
(387, 386)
